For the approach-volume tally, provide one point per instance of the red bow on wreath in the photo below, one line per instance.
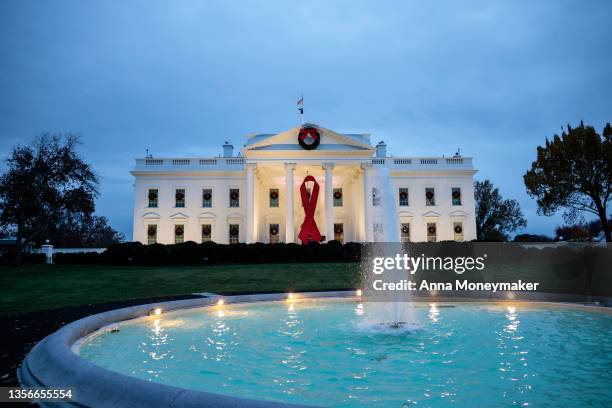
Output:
(309, 231)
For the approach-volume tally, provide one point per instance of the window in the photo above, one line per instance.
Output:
(458, 231)
(152, 234)
(430, 196)
(234, 233)
(405, 231)
(431, 232)
(274, 230)
(378, 231)
(234, 197)
(152, 196)
(179, 197)
(207, 198)
(403, 197)
(206, 232)
(337, 197)
(339, 232)
(274, 198)
(179, 233)
(456, 195)
(375, 197)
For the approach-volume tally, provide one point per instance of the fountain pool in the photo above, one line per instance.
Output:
(320, 352)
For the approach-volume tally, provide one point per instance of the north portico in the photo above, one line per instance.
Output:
(257, 196)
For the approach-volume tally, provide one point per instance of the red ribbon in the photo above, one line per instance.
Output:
(309, 231)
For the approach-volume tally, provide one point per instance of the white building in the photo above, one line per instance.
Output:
(255, 196)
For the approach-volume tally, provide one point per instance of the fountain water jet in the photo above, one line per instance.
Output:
(396, 311)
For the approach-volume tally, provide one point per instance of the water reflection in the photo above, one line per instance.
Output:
(434, 312)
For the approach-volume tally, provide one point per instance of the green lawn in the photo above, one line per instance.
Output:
(37, 287)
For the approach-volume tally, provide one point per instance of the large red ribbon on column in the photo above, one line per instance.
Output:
(309, 231)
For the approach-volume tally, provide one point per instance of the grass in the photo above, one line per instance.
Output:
(38, 287)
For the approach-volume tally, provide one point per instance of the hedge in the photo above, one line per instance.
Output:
(191, 253)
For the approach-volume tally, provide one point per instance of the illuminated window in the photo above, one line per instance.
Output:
(456, 195)
(234, 233)
(179, 233)
(152, 234)
(206, 232)
(339, 232)
(403, 197)
(152, 196)
(375, 196)
(179, 197)
(430, 196)
(431, 232)
(458, 231)
(234, 197)
(405, 231)
(274, 233)
(207, 198)
(274, 198)
(337, 197)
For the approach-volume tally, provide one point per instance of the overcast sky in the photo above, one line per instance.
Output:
(179, 77)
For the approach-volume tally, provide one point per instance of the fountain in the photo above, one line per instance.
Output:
(391, 310)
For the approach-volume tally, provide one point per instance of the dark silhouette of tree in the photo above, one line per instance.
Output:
(45, 183)
(495, 217)
(532, 238)
(574, 172)
(84, 232)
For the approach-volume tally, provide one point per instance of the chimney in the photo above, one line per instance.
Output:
(381, 149)
(228, 149)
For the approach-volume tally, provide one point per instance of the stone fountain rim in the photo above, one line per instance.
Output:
(53, 362)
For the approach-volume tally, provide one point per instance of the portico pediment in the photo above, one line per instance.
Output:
(287, 141)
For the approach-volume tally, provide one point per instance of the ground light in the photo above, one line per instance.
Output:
(155, 312)
(358, 293)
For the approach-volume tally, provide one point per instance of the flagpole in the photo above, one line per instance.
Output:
(301, 108)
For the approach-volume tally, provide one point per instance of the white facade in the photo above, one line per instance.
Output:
(190, 199)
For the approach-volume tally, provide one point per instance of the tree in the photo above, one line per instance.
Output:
(45, 182)
(495, 217)
(577, 232)
(574, 171)
(84, 232)
(532, 238)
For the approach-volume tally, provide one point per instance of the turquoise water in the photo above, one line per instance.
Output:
(321, 352)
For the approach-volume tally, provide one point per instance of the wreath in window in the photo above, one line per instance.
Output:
(429, 195)
(458, 229)
(337, 194)
(456, 194)
(431, 229)
(234, 231)
(274, 195)
(206, 230)
(338, 229)
(405, 229)
(207, 196)
(180, 196)
(274, 231)
(151, 231)
(179, 230)
(403, 195)
(152, 195)
(234, 195)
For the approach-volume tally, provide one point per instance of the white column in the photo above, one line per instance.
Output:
(329, 201)
(367, 203)
(250, 203)
(289, 227)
